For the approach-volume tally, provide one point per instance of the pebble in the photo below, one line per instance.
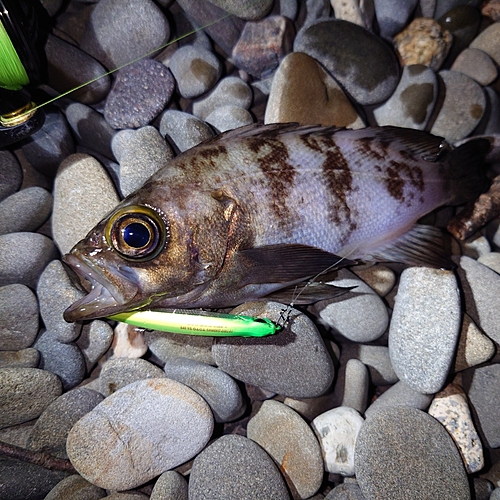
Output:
(127, 496)
(90, 128)
(128, 341)
(84, 180)
(56, 293)
(184, 130)
(488, 41)
(291, 443)
(482, 489)
(379, 278)
(337, 312)
(141, 153)
(451, 409)
(425, 327)
(139, 432)
(120, 372)
(491, 260)
(25, 393)
(217, 388)
(475, 246)
(52, 428)
(24, 257)
(356, 385)
(75, 488)
(476, 64)
(229, 117)
(24, 358)
(425, 42)
(317, 99)
(491, 9)
(483, 389)
(170, 485)
(18, 317)
(293, 362)
(481, 290)
(413, 101)
(69, 67)
(262, 45)
(346, 491)
(406, 453)
(337, 431)
(235, 467)
(11, 174)
(166, 346)
(392, 17)
(365, 66)
(25, 210)
(196, 70)
(400, 394)
(120, 31)
(354, 11)
(94, 340)
(250, 10)
(63, 359)
(474, 347)
(444, 6)
(139, 94)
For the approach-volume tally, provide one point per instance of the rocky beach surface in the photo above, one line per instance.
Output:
(391, 391)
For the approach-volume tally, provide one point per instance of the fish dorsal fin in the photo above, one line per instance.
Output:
(307, 293)
(420, 246)
(287, 263)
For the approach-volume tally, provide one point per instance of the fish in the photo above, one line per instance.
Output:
(262, 208)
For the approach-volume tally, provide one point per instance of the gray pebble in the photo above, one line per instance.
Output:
(170, 485)
(346, 491)
(356, 386)
(406, 453)
(250, 10)
(139, 432)
(495, 494)
(229, 91)
(64, 360)
(25, 393)
(490, 123)
(293, 362)
(363, 64)
(120, 372)
(75, 488)
(425, 327)
(83, 195)
(90, 128)
(184, 130)
(94, 340)
(25, 210)
(139, 94)
(69, 67)
(135, 495)
(487, 41)
(229, 117)
(235, 467)
(24, 257)
(286, 437)
(476, 64)
(217, 388)
(24, 358)
(11, 174)
(55, 293)
(120, 31)
(18, 317)
(52, 427)
(444, 6)
(140, 153)
(482, 489)
(195, 69)
(491, 260)
(393, 17)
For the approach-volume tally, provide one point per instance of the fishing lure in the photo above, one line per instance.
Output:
(200, 323)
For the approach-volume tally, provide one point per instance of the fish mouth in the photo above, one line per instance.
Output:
(104, 298)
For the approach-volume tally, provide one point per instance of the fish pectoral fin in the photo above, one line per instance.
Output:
(307, 293)
(285, 263)
(420, 246)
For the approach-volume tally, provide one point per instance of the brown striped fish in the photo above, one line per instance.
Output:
(261, 208)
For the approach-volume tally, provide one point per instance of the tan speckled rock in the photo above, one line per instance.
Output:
(379, 278)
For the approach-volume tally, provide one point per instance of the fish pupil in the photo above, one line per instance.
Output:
(136, 235)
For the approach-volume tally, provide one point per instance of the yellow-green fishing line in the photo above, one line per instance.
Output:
(12, 73)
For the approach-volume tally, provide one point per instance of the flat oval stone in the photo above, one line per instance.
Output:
(363, 64)
(489, 41)
(392, 17)
(74, 488)
(25, 393)
(235, 467)
(11, 174)
(287, 438)
(172, 485)
(229, 117)
(83, 195)
(138, 433)
(406, 453)
(476, 64)
(18, 317)
(293, 362)
(425, 327)
(24, 358)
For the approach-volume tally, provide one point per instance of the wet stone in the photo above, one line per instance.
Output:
(52, 427)
(293, 362)
(172, 485)
(476, 64)
(392, 17)
(139, 432)
(24, 358)
(139, 94)
(235, 467)
(94, 340)
(11, 174)
(25, 393)
(18, 317)
(229, 117)
(75, 488)
(444, 6)
(365, 66)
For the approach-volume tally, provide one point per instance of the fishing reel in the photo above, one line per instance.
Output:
(22, 38)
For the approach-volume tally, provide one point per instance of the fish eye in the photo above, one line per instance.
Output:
(137, 232)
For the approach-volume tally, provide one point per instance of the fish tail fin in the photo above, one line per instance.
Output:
(468, 169)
